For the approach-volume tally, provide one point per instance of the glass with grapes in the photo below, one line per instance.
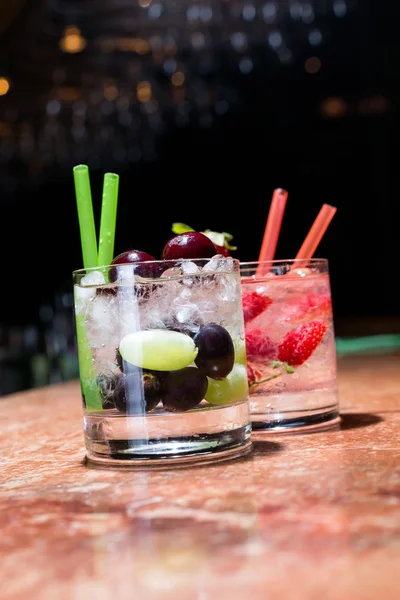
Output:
(162, 359)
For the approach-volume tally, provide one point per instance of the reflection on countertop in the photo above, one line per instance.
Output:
(304, 517)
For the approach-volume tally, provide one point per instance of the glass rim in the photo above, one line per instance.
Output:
(170, 262)
(285, 261)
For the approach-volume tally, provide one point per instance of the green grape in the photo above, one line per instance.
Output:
(231, 389)
(240, 351)
(158, 349)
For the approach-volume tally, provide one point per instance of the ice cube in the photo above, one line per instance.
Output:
(189, 316)
(102, 320)
(189, 268)
(219, 263)
(172, 272)
(82, 296)
(93, 278)
(156, 310)
(301, 272)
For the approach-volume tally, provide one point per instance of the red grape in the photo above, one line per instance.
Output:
(184, 389)
(191, 244)
(138, 392)
(216, 352)
(151, 270)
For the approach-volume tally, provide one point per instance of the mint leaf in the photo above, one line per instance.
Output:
(220, 239)
(215, 237)
(179, 228)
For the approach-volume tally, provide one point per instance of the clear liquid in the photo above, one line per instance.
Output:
(122, 425)
(207, 433)
(308, 396)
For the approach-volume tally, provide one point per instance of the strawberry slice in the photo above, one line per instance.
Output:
(254, 304)
(255, 377)
(298, 345)
(251, 374)
(259, 345)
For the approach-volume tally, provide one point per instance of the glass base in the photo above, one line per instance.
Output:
(159, 439)
(174, 452)
(294, 412)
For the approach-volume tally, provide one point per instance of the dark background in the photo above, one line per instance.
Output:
(326, 136)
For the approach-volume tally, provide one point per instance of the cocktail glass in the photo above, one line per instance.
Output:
(162, 362)
(290, 344)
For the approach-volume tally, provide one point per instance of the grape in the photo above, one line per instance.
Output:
(151, 270)
(231, 389)
(158, 349)
(119, 360)
(138, 392)
(184, 389)
(240, 350)
(216, 353)
(107, 385)
(191, 244)
(106, 291)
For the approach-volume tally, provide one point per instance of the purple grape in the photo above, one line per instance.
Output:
(184, 389)
(135, 390)
(107, 386)
(138, 392)
(191, 244)
(152, 270)
(216, 353)
(107, 291)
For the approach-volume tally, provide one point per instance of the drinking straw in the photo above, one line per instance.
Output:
(316, 232)
(89, 385)
(85, 215)
(272, 228)
(108, 219)
(90, 388)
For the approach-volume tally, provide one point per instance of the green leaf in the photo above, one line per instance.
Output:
(179, 228)
(220, 239)
(261, 381)
(229, 247)
(277, 364)
(215, 237)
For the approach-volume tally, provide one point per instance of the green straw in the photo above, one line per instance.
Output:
(85, 216)
(108, 219)
(90, 388)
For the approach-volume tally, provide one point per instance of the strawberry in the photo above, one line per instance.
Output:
(259, 345)
(298, 345)
(255, 378)
(251, 375)
(222, 250)
(254, 304)
(313, 306)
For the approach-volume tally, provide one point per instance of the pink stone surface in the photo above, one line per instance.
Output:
(304, 517)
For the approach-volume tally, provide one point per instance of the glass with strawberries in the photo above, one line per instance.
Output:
(290, 344)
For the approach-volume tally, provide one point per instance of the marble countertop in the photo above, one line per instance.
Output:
(304, 517)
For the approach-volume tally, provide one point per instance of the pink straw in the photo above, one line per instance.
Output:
(272, 229)
(316, 232)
